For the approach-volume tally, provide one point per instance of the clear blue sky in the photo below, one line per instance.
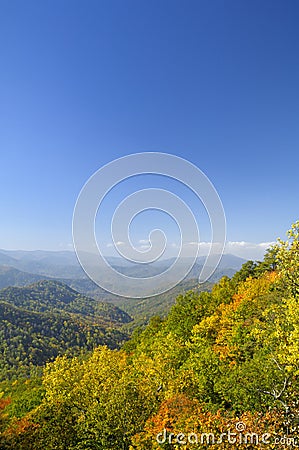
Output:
(84, 82)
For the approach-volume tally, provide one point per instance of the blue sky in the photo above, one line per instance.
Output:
(83, 83)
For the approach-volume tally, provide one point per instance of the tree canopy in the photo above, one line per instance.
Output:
(219, 359)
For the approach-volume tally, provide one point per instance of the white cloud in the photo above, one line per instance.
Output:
(247, 250)
(237, 244)
(249, 244)
(144, 246)
(115, 244)
(194, 244)
(144, 241)
(266, 244)
(244, 249)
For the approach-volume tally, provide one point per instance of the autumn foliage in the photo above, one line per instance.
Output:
(225, 361)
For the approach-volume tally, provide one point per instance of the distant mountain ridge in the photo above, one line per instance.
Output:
(55, 264)
(48, 306)
(64, 267)
(10, 276)
(64, 264)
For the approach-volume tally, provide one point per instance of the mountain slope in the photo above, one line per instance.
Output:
(10, 276)
(47, 319)
(58, 264)
(51, 295)
(30, 338)
(7, 259)
(143, 309)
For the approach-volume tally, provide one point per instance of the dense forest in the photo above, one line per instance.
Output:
(47, 319)
(220, 371)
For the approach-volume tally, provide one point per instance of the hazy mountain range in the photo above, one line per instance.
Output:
(20, 268)
(49, 306)
(64, 264)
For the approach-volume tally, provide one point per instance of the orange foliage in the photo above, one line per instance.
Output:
(4, 402)
(183, 418)
(222, 323)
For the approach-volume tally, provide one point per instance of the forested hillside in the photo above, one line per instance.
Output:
(47, 319)
(53, 295)
(221, 371)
